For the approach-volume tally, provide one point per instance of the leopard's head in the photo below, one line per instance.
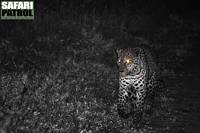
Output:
(130, 61)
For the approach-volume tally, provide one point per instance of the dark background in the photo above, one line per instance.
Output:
(58, 72)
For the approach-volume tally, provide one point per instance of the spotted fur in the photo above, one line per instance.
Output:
(138, 80)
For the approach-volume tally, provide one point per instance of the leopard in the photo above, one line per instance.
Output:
(139, 80)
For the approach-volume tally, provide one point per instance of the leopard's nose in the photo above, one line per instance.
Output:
(121, 70)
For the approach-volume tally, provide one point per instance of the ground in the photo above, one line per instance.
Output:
(60, 74)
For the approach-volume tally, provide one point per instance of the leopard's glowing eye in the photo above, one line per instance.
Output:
(128, 61)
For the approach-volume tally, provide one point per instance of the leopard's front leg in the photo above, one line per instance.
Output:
(123, 105)
(140, 101)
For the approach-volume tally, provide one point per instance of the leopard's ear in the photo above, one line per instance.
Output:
(137, 51)
(119, 52)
